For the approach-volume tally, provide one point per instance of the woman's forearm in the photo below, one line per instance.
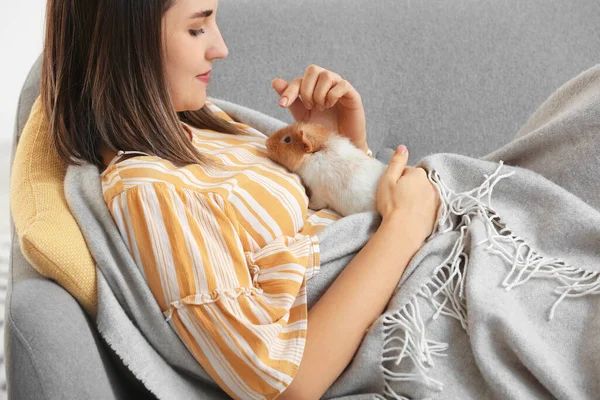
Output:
(338, 322)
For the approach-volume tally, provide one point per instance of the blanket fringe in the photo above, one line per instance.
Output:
(525, 262)
(404, 329)
(410, 344)
(445, 291)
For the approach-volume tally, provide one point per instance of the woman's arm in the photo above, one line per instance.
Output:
(408, 204)
(242, 314)
(338, 322)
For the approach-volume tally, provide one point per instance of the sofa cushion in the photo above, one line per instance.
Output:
(49, 236)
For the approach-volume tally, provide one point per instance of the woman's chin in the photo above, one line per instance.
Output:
(195, 105)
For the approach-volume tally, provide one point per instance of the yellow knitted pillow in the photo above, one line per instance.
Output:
(49, 235)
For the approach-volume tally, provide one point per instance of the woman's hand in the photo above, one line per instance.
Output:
(406, 196)
(323, 97)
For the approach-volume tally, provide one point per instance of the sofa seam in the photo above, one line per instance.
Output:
(19, 336)
(12, 326)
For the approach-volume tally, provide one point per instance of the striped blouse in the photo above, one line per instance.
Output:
(226, 253)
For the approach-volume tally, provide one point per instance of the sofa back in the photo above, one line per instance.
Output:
(458, 76)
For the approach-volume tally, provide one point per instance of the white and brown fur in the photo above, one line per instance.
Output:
(337, 174)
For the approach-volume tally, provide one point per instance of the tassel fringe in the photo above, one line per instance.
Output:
(404, 328)
(410, 343)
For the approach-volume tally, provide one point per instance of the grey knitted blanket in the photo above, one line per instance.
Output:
(500, 302)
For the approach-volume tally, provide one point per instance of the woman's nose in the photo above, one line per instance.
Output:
(219, 49)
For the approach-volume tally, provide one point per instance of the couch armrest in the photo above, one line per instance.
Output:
(52, 347)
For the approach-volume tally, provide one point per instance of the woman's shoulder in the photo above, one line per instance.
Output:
(251, 132)
(218, 111)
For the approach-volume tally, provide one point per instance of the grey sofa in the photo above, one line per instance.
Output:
(456, 76)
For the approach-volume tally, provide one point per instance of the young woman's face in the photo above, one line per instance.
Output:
(190, 45)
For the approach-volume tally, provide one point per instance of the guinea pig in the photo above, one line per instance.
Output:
(337, 174)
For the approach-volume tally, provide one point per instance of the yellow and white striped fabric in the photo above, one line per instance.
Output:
(226, 252)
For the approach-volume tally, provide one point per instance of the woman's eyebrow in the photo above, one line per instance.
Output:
(202, 14)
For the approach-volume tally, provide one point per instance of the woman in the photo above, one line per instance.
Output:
(222, 235)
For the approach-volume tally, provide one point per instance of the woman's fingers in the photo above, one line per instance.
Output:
(396, 165)
(315, 86)
(318, 88)
(307, 87)
(338, 91)
(292, 91)
(326, 82)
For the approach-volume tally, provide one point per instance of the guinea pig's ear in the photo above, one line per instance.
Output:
(306, 141)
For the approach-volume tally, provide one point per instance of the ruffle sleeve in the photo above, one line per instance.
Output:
(242, 314)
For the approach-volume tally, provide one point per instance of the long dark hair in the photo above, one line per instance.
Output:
(103, 83)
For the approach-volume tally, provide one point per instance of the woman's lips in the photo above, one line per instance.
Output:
(204, 77)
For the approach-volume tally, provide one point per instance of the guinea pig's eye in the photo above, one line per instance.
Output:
(287, 139)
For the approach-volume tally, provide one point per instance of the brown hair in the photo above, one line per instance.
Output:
(103, 83)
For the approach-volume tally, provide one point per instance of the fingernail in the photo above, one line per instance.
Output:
(401, 149)
(309, 106)
(283, 102)
(327, 104)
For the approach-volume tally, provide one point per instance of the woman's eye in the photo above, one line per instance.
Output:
(196, 32)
